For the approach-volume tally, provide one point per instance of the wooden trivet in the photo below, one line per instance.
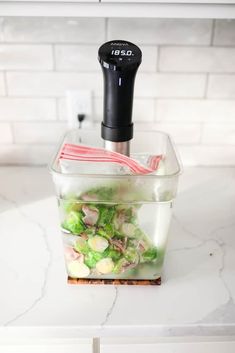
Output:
(116, 282)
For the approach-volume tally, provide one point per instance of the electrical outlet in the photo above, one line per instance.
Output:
(79, 102)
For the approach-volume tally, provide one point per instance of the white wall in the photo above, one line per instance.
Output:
(185, 86)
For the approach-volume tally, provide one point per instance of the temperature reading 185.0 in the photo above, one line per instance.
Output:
(122, 52)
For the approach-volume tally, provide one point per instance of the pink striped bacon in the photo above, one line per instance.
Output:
(91, 154)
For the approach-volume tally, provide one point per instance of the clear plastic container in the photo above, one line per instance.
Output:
(131, 214)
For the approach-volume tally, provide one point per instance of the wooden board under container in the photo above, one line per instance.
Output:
(115, 282)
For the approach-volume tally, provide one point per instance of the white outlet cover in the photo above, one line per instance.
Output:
(79, 102)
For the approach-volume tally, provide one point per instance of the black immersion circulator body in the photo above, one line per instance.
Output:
(120, 61)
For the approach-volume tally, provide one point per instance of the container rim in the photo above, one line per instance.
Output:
(179, 170)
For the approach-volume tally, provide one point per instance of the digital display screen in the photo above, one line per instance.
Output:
(122, 52)
(119, 55)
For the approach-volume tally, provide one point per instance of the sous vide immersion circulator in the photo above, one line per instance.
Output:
(114, 220)
(119, 60)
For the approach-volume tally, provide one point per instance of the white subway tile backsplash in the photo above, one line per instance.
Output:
(143, 110)
(161, 31)
(2, 85)
(1, 28)
(194, 110)
(149, 59)
(24, 154)
(170, 85)
(62, 109)
(76, 58)
(16, 109)
(26, 57)
(34, 133)
(207, 155)
(191, 98)
(190, 154)
(52, 29)
(98, 109)
(219, 134)
(54, 84)
(197, 59)
(181, 132)
(221, 86)
(5, 133)
(224, 32)
(84, 58)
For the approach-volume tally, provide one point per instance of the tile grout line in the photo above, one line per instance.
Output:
(35, 43)
(206, 86)
(155, 111)
(212, 32)
(5, 84)
(53, 57)
(164, 98)
(202, 126)
(95, 44)
(158, 58)
(2, 25)
(106, 29)
(96, 71)
(12, 132)
(57, 110)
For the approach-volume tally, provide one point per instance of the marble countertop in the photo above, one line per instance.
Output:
(198, 290)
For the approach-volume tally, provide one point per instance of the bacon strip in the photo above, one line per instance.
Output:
(91, 154)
